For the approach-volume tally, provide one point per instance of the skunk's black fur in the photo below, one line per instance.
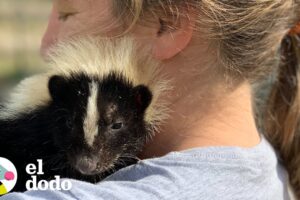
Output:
(55, 132)
(89, 115)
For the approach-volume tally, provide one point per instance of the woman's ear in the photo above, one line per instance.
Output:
(172, 37)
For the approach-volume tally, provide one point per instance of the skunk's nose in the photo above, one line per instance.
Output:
(86, 165)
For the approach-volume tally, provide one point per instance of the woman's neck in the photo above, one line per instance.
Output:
(207, 118)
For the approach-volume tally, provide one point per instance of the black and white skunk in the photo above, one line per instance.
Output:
(89, 115)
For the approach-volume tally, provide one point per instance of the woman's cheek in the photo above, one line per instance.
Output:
(69, 29)
(51, 33)
(58, 30)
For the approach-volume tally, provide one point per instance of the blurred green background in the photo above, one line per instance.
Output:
(22, 24)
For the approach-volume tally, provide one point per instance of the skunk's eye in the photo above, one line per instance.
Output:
(69, 123)
(117, 126)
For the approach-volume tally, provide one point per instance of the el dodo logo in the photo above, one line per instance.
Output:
(34, 184)
(8, 176)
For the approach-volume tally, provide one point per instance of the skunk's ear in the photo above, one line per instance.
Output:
(58, 88)
(141, 97)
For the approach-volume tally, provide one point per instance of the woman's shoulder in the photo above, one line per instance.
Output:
(214, 172)
(200, 173)
(255, 160)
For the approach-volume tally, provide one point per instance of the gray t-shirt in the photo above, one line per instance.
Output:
(225, 173)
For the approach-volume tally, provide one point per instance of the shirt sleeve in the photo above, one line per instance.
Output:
(146, 180)
(227, 173)
(82, 190)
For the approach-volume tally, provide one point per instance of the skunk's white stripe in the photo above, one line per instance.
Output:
(90, 124)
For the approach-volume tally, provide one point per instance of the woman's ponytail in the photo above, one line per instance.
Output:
(282, 117)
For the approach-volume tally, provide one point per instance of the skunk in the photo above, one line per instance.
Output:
(89, 115)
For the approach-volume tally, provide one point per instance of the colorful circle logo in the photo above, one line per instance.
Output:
(8, 176)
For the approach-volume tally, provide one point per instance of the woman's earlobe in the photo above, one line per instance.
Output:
(172, 38)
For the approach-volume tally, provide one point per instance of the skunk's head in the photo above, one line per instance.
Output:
(101, 120)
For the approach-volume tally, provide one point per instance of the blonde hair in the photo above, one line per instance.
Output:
(252, 41)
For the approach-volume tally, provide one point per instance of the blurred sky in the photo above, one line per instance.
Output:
(22, 23)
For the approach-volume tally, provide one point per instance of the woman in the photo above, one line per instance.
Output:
(214, 49)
